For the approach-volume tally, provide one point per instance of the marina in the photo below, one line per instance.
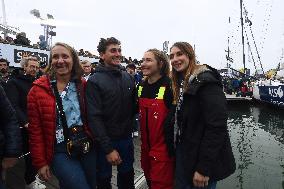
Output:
(257, 137)
(255, 121)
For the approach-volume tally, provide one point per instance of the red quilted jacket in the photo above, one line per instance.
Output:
(42, 121)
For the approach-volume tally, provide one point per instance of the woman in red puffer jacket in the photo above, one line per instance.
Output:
(46, 138)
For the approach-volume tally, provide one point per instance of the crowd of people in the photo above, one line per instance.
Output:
(238, 86)
(78, 122)
(22, 40)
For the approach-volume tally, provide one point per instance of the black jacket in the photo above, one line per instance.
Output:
(111, 104)
(10, 137)
(204, 142)
(17, 90)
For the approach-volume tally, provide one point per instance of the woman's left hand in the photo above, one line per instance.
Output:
(44, 173)
(199, 180)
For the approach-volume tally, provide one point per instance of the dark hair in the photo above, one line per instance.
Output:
(76, 72)
(104, 43)
(5, 60)
(187, 49)
(131, 66)
(163, 60)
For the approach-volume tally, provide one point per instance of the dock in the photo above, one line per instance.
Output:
(15, 176)
(234, 98)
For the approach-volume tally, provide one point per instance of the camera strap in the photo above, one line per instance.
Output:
(60, 110)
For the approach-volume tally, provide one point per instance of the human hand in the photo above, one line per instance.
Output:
(199, 180)
(114, 158)
(8, 162)
(44, 173)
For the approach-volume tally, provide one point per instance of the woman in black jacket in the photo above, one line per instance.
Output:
(203, 149)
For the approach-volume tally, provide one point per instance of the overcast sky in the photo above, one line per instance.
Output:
(145, 24)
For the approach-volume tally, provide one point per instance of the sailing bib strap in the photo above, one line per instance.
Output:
(161, 93)
(140, 91)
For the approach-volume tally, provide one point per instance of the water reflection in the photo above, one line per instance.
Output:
(257, 136)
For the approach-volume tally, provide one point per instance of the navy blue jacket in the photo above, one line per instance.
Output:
(111, 104)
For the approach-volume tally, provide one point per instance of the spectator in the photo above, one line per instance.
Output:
(81, 52)
(9, 40)
(129, 60)
(88, 70)
(42, 42)
(21, 39)
(10, 137)
(4, 69)
(130, 68)
(17, 90)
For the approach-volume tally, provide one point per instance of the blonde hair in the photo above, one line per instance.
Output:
(187, 49)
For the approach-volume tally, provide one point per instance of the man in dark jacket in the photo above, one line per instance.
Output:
(111, 105)
(10, 138)
(17, 90)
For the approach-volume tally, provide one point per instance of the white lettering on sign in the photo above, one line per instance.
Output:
(276, 92)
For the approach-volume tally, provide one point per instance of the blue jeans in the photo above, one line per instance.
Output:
(125, 149)
(73, 173)
(181, 181)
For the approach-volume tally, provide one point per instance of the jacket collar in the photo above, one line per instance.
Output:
(43, 82)
(203, 75)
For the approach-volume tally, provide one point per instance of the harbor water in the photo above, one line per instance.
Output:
(257, 137)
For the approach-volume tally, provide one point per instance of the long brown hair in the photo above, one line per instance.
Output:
(162, 60)
(76, 72)
(187, 49)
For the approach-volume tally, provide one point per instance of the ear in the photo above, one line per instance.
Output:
(25, 67)
(161, 65)
(102, 55)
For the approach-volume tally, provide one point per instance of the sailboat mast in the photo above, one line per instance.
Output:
(243, 40)
(4, 19)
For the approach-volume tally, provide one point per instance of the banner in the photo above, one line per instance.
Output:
(14, 54)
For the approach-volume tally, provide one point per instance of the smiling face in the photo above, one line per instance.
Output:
(150, 66)
(112, 55)
(179, 60)
(61, 61)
